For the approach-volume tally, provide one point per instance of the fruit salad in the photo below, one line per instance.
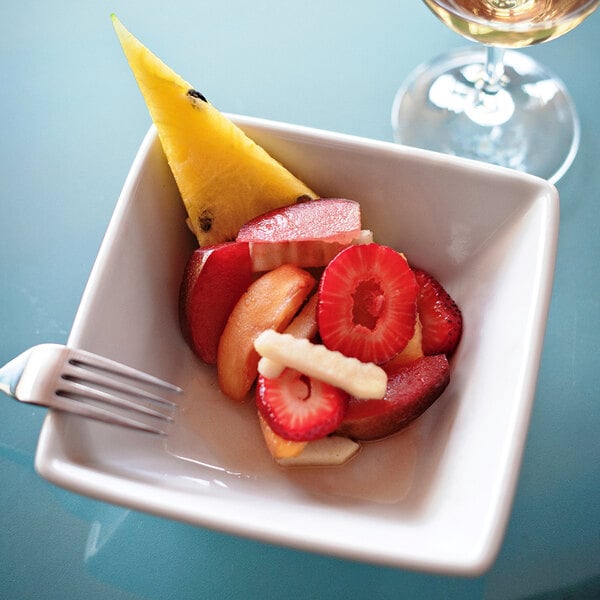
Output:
(339, 336)
(336, 338)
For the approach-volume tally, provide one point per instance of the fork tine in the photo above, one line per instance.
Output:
(75, 372)
(94, 361)
(80, 389)
(73, 406)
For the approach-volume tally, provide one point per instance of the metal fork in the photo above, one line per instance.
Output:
(86, 384)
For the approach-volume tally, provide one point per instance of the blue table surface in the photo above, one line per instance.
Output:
(72, 119)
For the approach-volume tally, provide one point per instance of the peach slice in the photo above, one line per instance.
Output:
(270, 302)
(412, 351)
(279, 447)
(304, 324)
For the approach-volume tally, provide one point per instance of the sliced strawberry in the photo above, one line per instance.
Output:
(440, 316)
(367, 303)
(300, 408)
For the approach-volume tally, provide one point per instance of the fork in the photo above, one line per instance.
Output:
(80, 382)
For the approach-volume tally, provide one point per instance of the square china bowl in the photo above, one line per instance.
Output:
(435, 497)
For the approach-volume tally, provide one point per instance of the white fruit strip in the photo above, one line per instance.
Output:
(269, 368)
(362, 380)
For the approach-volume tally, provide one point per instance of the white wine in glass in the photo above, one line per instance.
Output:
(491, 103)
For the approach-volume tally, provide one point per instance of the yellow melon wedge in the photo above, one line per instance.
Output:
(224, 178)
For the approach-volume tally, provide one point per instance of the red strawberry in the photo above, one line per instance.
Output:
(300, 408)
(367, 303)
(440, 316)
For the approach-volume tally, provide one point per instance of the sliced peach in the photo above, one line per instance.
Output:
(412, 351)
(279, 447)
(269, 303)
(304, 324)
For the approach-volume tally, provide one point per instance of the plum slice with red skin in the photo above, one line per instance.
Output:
(411, 390)
(326, 219)
(214, 280)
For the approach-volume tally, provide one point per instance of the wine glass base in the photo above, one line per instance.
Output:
(536, 132)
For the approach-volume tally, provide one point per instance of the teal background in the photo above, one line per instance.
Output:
(72, 120)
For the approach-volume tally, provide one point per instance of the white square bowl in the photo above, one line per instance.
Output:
(435, 497)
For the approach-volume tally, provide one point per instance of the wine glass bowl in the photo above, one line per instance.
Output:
(489, 102)
(512, 23)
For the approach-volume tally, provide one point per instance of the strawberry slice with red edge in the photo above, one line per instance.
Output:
(439, 315)
(300, 408)
(367, 303)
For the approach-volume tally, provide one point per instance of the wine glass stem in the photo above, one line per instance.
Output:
(490, 103)
(494, 69)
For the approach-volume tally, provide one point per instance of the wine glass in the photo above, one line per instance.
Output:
(489, 102)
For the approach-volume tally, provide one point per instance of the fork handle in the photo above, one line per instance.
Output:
(11, 373)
